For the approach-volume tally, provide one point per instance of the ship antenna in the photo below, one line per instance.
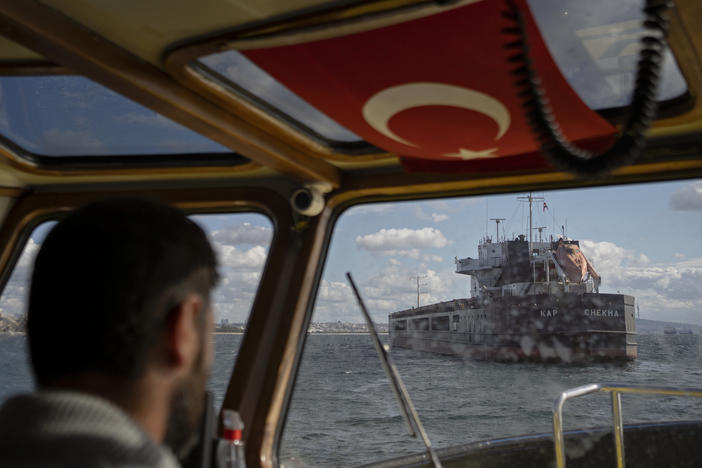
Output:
(540, 229)
(486, 218)
(497, 225)
(406, 407)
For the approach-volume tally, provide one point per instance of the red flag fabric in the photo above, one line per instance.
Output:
(437, 91)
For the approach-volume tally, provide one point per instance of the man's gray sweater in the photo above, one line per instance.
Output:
(54, 429)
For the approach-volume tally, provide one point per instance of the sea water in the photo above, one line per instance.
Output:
(343, 411)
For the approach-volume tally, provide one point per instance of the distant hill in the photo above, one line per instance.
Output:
(655, 327)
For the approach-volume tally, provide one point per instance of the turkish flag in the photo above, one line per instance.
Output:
(436, 90)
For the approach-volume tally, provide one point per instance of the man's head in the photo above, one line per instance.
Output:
(118, 288)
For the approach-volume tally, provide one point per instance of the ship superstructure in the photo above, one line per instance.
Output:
(518, 268)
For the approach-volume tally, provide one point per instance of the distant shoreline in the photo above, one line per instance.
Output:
(311, 333)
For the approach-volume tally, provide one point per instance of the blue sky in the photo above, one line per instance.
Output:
(73, 116)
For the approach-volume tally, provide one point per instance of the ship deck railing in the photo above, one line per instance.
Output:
(616, 391)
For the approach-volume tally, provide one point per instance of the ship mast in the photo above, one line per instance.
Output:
(531, 200)
(497, 225)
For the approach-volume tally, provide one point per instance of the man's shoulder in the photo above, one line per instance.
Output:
(73, 429)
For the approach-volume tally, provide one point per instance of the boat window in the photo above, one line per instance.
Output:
(246, 79)
(400, 325)
(420, 324)
(440, 323)
(241, 241)
(617, 270)
(600, 52)
(59, 116)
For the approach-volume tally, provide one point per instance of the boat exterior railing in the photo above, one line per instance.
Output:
(616, 391)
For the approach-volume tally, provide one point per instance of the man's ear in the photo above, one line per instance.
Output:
(183, 334)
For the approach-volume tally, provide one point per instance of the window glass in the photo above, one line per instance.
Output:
(241, 241)
(74, 116)
(596, 46)
(245, 76)
(14, 353)
(484, 336)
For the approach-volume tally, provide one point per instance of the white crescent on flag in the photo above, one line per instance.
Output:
(382, 106)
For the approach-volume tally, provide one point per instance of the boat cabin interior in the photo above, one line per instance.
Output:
(291, 113)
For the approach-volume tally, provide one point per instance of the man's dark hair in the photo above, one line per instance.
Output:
(104, 282)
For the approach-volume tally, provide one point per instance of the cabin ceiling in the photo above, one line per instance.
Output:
(125, 45)
(142, 27)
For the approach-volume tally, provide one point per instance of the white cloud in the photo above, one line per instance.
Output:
(233, 298)
(607, 256)
(235, 294)
(245, 233)
(71, 142)
(410, 253)
(432, 258)
(335, 292)
(390, 290)
(241, 268)
(688, 198)
(252, 259)
(392, 241)
(435, 211)
(146, 119)
(394, 289)
(13, 297)
(669, 291)
(26, 260)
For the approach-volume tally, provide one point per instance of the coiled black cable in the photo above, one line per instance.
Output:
(642, 110)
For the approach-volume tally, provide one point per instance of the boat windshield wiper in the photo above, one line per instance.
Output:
(414, 425)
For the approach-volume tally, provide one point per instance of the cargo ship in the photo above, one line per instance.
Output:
(531, 300)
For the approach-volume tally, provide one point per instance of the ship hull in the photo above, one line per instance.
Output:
(539, 328)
